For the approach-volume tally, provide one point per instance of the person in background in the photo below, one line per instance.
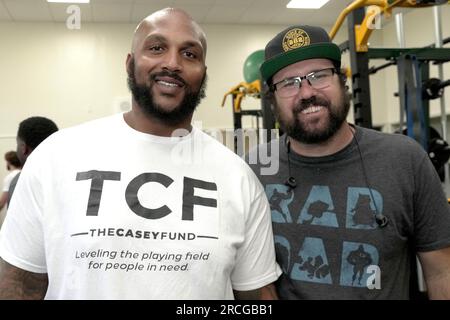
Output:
(13, 165)
(32, 131)
(351, 207)
(139, 205)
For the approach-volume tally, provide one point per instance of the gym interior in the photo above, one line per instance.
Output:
(66, 61)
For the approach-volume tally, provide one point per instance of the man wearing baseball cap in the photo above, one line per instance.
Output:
(349, 204)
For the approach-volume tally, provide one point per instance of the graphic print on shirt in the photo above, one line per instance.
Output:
(356, 258)
(283, 249)
(318, 208)
(311, 262)
(361, 210)
(280, 197)
(155, 197)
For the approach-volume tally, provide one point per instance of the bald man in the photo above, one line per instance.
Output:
(139, 205)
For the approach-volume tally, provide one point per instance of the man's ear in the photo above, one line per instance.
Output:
(26, 150)
(128, 63)
(20, 147)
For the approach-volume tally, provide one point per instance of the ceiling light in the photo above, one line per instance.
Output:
(69, 1)
(306, 4)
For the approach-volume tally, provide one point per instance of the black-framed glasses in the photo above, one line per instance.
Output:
(318, 80)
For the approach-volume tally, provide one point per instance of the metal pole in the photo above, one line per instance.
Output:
(359, 63)
(421, 285)
(438, 35)
(401, 43)
(400, 30)
(439, 44)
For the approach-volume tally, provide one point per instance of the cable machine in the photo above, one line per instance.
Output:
(360, 27)
(416, 88)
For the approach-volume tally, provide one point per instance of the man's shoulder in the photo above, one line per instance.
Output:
(96, 124)
(217, 153)
(392, 148)
(89, 129)
(65, 140)
(213, 146)
(395, 141)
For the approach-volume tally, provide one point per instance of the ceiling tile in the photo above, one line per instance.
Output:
(204, 11)
(159, 3)
(197, 12)
(140, 11)
(289, 16)
(179, 3)
(125, 2)
(28, 10)
(223, 14)
(111, 12)
(255, 15)
(4, 14)
(271, 3)
(235, 3)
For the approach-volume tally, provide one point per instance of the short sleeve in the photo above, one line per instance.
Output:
(256, 265)
(432, 211)
(21, 235)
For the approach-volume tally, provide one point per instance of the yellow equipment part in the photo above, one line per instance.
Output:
(241, 90)
(364, 30)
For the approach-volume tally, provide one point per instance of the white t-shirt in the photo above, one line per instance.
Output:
(112, 213)
(8, 178)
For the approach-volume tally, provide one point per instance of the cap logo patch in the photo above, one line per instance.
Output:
(295, 38)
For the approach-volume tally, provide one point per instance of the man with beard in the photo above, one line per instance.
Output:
(110, 210)
(378, 193)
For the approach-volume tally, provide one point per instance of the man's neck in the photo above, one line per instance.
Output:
(336, 143)
(140, 121)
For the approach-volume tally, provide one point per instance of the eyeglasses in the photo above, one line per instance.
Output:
(318, 80)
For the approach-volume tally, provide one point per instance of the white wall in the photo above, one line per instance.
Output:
(68, 76)
(228, 48)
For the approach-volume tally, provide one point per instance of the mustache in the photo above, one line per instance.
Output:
(313, 101)
(166, 73)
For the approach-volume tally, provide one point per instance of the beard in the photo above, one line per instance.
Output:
(299, 130)
(142, 94)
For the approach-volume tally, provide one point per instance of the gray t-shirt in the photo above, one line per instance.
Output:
(328, 242)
